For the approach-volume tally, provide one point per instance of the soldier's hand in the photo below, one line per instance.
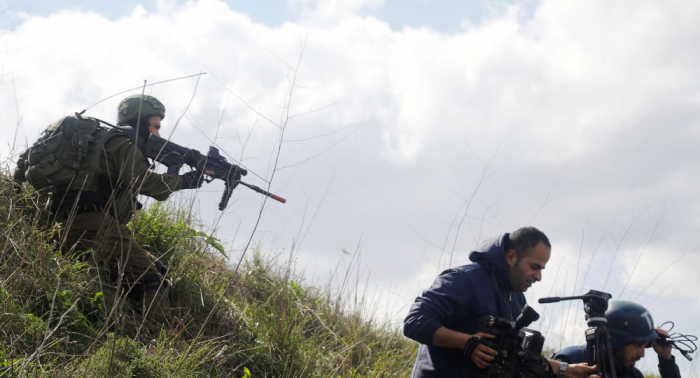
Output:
(662, 349)
(192, 179)
(483, 355)
(581, 371)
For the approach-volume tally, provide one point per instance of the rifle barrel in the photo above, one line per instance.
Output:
(264, 192)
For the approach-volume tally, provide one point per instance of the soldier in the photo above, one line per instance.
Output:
(98, 196)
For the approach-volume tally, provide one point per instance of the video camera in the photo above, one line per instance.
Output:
(519, 348)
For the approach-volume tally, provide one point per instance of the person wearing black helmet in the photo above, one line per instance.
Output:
(143, 114)
(631, 329)
(100, 196)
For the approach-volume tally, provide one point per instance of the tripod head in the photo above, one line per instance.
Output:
(595, 303)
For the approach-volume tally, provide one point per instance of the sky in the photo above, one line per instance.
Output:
(405, 133)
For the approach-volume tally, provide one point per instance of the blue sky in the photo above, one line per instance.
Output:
(441, 15)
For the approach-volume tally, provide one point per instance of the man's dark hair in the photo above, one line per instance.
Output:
(524, 240)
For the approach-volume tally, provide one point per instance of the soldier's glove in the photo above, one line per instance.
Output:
(192, 179)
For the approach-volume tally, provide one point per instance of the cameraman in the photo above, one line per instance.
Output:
(445, 317)
(631, 330)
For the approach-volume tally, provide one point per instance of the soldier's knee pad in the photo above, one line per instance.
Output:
(156, 282)
(156, 300)
(162, 269)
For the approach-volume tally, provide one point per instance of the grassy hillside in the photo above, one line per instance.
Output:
(58, 320)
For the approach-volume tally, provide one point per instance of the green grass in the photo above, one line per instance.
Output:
(58, 320)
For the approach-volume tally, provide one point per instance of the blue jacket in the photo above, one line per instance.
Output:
(456, 300)
(577, 354)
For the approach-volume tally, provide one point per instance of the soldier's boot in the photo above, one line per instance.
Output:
(156, 301)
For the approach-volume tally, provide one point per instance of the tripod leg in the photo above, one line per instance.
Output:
(605, 354)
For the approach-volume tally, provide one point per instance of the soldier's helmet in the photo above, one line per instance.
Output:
(139, 106)
(628, 323)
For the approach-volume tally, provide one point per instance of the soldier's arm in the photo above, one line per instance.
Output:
(135, 169)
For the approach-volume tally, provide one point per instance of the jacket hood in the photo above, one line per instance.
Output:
(491, 256)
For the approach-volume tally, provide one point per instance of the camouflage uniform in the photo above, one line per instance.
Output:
(96, 221)
(105, 232)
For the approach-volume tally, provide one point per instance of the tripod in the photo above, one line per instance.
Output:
(598, 346)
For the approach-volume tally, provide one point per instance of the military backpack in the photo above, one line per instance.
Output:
(66, 157)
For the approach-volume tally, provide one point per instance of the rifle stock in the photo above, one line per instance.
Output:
(174, 156)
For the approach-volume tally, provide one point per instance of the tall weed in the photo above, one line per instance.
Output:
(58, 319)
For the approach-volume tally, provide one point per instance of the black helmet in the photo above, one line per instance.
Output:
(139, 106)
(628, 323)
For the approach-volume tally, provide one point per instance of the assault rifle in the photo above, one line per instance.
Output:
(175, 156)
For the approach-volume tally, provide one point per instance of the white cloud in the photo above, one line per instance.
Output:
(582, 115)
